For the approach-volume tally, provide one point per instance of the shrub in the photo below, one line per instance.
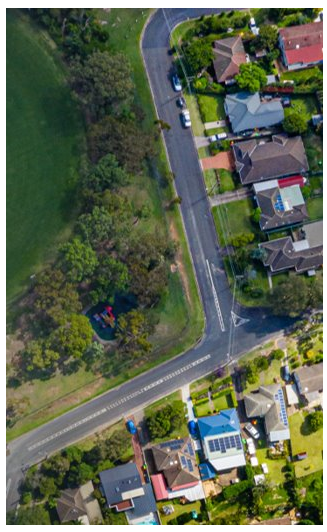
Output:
(202, 401)
(315, 421)
(276, 354)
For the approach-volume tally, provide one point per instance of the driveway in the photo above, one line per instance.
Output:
(224, 159)
(227, 197)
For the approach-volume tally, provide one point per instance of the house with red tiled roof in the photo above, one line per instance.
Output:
(302, 46)
(229, 54)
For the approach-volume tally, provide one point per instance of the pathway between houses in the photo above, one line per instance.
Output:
(227, 197)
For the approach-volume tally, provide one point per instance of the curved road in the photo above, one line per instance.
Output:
(230, 330)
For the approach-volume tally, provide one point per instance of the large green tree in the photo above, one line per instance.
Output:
(31, 515)
(103, 82)
(107, 174)
(123, 138)
(96, 227)
(111, 277)
(294, 295)
(268, 37)
(78, 260)
(295, 123)
(73, 338)
(199, 55)
(132, 333)
(315, 421)
(251, 77)
(39, 355)
(54, 297)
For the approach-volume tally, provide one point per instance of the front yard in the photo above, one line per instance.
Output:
(211, 107)
(301, 441)
(232, 219)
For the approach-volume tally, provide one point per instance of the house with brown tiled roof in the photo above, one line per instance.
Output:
(177, 472)
(79, 504)
(302, 46)
(259, 160)
(303, 255)
(229, 54)
(281, 207)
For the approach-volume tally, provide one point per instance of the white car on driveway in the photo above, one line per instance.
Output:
(252, 431)
(186, 118)
(219, 136)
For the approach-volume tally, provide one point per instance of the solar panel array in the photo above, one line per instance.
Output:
(174, 444)
(224, 443)
(190, 449)
(283, 415)
(279, 205)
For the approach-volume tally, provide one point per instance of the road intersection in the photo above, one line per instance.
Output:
(229, 331)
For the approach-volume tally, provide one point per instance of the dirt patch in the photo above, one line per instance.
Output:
(180, 265)
(14, 345)
(223, 159)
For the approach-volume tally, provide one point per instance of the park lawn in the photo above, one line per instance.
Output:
(173, 334)
(314, 150)
(211, 182)
(211, 107)
(178, 510)
(45, 139)
(232, 219)
(315, 208)
(227, 183)
(301, 441)
(275, 467)
(197, 124)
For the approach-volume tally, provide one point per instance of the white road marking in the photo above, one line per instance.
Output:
(119, 402)
(220, 317)
(8, 486)
(237, 320)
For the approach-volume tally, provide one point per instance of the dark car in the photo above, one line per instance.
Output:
(181, 102)
(247, 133)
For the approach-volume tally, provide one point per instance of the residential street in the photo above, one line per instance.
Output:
(226, 337)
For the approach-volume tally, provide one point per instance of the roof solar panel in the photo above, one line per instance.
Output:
(189, 465)
(190, 449)
(211, 446)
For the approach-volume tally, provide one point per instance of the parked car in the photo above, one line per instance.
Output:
(247, 133)
(176, 83)
(186, 119)
(253, 26)
(218, 136)
(247, 58)
(286, 102)
(235, 481)
(250, 446)
(252, 430)
(286, 373)
(181, 102)
(264, 468)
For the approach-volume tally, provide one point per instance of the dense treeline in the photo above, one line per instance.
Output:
(107, 254)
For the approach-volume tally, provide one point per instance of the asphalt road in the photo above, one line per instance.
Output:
(230, 330)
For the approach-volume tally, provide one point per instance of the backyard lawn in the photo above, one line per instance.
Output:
(178, 510)
(315, 208)
(211, 107)
(312, 444)
(307, 104)
(314, 149)
(45, 137)
(275, 467)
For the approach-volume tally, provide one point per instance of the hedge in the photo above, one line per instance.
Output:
(202, 401)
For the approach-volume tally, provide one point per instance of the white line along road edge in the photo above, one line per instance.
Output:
(220, 317)
(119, 402)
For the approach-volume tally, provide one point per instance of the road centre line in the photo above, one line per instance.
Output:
(119, 402)
(216, 300)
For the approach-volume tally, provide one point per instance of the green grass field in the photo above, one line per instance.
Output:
(232, 219)
(44, 141)
(304, 442)
(315, 208)
(211, 107)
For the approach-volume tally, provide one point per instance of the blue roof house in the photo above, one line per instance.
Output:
(248, 111)
(221, 440)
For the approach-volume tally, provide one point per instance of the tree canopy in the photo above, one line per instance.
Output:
(103, 81)
(251, 77)
(295, 123)
(78, 260)
(199, 55)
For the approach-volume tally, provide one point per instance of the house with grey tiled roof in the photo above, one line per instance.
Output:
(257, 161)
(309, 382)
(249, 111)
(280, 207)
(268, 403)
(302, 255)
(229, 54)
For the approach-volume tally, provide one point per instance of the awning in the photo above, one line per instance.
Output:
(159, 487)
